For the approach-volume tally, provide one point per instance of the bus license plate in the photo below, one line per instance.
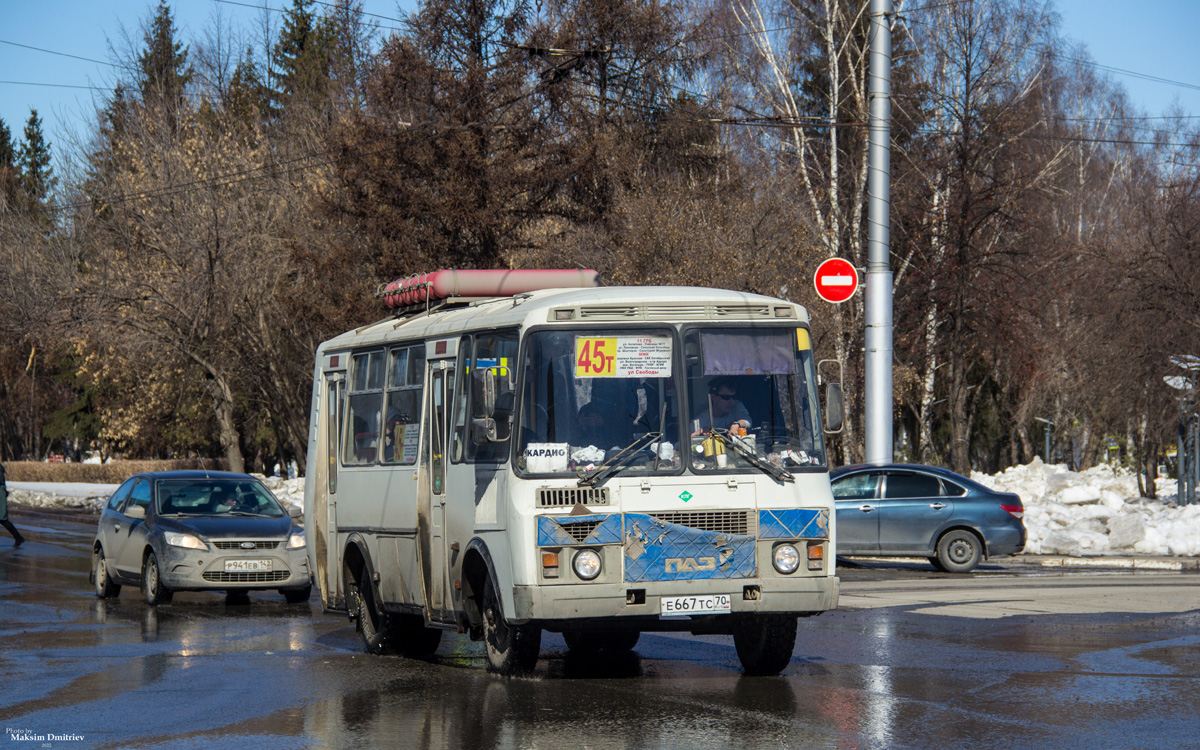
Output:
(708, 604)
(246, 566)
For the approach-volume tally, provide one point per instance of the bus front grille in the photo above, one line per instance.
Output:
(719, 522)
(566, 497)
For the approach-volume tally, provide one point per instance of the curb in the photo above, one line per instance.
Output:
(1117, 563)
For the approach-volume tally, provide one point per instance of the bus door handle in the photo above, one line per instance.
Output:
(866, 508)
(937, 506)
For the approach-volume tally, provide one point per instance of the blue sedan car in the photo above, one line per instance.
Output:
(905, 510)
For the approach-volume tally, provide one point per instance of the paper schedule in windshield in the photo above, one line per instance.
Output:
(622, 356)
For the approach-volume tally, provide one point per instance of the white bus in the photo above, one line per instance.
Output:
(501, 459)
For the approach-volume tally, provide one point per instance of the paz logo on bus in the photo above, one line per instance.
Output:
(685, 496)
(684, 564)
(836, 280)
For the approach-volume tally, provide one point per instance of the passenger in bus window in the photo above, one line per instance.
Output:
(723, 409)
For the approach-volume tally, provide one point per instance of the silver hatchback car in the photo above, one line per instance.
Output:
(198, 530)
(908, 510)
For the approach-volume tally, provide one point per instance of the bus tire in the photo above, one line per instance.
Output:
(765, 642)
(590, 642)
(511, 649)
(368, 620)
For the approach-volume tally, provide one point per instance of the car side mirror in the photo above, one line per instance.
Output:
(834, 406)
(295, 512)
(135, 511)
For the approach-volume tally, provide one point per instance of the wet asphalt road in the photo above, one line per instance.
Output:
(83, 673)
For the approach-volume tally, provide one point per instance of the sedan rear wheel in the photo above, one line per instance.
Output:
(153, 589)
(959, 551)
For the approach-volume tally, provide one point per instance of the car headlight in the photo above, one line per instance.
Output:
(587, 564)
(296, 540)
(786, 558)
(185, 540)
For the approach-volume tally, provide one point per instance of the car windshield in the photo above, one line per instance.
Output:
(216, 497)
(752, 399)
(589, 394)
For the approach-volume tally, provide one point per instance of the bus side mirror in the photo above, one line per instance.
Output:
(833, 407)
(483, 393)
(483, 430)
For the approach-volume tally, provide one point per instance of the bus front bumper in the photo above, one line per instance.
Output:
(800, 596)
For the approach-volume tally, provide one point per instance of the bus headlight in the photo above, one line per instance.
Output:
(587, 564)
(786, 558)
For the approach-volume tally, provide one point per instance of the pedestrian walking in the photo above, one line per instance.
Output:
(18, 540)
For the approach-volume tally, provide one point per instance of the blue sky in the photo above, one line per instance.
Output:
(1155, 38)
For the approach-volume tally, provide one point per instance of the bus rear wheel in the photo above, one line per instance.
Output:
(765, 642)
(511, 649)
(384, 633)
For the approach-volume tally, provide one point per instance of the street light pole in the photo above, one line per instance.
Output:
(879, 251)
(1049, 424)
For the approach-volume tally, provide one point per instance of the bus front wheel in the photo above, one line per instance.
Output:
(511, 649)
(765, 642)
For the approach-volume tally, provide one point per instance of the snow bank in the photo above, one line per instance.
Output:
(1096, 512)
(92, 497)
(1092, 512)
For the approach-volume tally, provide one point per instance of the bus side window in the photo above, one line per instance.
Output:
(499, 352)
(402, 423)
(363, 407)
(458, 450)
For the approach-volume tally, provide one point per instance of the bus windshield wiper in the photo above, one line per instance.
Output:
(754, 459)
(596, 476)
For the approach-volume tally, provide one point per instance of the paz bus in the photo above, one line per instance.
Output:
(516, 452)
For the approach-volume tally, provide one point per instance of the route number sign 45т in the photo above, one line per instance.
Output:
(622, 357)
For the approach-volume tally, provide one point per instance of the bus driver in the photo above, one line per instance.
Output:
(724, 410)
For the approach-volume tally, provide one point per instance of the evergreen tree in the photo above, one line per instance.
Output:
(8, 168)
(300, 68)
(163, 69)
(248, 97)
(8, 152)
(33, 159)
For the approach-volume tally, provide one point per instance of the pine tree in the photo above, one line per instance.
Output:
(163, 69)
(8, 167)
(33, 159)
(248, 97)
(300, 68)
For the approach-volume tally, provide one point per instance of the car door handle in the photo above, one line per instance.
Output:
(116, 527)
(937, 506)
(866, 508)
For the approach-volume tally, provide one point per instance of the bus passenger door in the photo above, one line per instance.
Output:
(431, 503)
(324, 536)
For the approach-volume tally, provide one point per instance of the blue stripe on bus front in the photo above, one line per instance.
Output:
(793, 523)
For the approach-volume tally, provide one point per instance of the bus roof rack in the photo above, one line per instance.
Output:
(419, 292)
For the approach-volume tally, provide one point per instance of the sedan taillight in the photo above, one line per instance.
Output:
(1016, 511)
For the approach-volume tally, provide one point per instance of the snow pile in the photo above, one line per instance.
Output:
(1092, 512)
(92, 497)
(1097, 512)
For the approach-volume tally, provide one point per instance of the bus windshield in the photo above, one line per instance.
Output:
(590, 394)
(756, 388)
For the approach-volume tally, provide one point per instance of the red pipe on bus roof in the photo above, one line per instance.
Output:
(483, 283)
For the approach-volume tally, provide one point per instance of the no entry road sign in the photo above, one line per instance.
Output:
(835, 280)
